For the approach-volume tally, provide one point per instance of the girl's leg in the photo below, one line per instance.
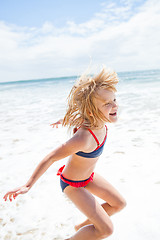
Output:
(114, 202)
(101, 226)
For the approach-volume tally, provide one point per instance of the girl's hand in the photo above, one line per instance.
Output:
(56, 123)
(15, 193)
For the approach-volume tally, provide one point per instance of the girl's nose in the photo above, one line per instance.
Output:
(114, 105)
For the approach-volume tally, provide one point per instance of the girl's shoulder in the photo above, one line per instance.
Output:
(85, 137)
(81, 132)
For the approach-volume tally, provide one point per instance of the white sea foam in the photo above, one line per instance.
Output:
(130, 160)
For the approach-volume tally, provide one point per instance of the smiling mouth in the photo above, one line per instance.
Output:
(113, 114)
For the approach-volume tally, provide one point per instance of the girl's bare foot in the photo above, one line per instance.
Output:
(77, 227)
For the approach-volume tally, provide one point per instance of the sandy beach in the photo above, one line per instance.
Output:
(130, 160)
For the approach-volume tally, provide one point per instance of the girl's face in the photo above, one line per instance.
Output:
(106, 103)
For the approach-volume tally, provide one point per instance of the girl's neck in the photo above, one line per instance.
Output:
(98, 127)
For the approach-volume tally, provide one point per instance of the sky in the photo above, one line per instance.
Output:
(48, 38)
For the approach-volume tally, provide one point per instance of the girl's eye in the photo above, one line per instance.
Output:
(107, 104)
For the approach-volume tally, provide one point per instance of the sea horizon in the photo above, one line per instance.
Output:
(73, 76)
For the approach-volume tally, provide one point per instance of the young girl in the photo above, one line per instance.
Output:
(92, 103)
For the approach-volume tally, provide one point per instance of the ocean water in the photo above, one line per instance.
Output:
(130, 160)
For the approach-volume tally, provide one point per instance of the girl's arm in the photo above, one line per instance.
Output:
(75, 144)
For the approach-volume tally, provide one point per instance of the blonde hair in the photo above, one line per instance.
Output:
(81, 100)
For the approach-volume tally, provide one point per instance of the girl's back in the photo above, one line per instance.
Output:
(81, 167)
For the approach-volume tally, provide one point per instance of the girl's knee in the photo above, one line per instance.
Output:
(106, 230)
(122, 204)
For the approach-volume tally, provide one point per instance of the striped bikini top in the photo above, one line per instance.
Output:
(98, 151)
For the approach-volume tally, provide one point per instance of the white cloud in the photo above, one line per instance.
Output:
(118, 37)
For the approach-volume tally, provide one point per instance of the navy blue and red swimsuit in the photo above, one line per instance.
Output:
(64, 182)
